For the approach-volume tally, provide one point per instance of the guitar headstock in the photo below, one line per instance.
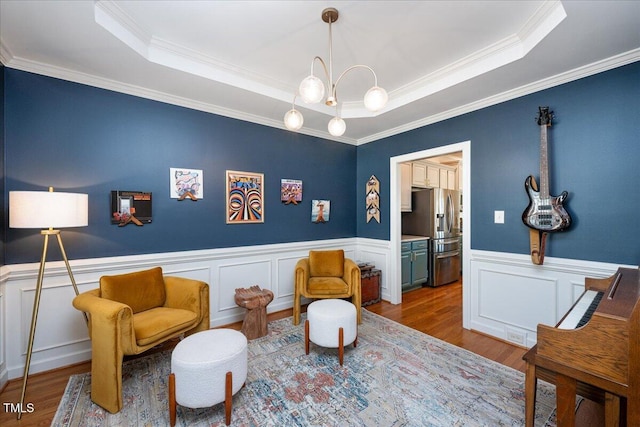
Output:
(544, 116)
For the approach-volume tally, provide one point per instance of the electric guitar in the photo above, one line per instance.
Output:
(545, 212)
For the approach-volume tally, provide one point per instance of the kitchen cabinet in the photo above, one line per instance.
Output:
(419, 175)
(452, 182)
(405, 187)
(425, 175)
(414, 264)
(448, 178)
(405, 264)
(444, 178)
(433, 175)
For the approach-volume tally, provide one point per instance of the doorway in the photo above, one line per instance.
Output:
(395, 220)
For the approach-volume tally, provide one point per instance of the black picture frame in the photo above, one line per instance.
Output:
(131, 203)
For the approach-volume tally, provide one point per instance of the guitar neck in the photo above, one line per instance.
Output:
(544, 163)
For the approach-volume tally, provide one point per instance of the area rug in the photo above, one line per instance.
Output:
(396, 376)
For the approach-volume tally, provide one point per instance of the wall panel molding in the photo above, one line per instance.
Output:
(498, 282)
(510, 296)
(61, 334)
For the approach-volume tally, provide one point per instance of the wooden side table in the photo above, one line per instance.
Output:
(370, 284)
(255, 300)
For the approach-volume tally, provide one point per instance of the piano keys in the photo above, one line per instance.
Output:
(581, 312)
(593, 351)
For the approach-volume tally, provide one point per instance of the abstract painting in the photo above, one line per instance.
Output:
(245, 197)
(186, 183)
(291, 191)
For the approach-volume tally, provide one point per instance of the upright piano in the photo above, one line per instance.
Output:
(594, 351)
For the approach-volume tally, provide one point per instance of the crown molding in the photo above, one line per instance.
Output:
(569, 76)
(90, 80)
(116, 86)
(503, 52)
(113, 18)
(5, 54)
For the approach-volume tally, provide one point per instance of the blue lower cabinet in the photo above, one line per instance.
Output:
(405, 262)
(414, 264)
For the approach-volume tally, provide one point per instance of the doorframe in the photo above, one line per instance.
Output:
(395, 221)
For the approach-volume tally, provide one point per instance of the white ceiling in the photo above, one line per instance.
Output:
(245, 59)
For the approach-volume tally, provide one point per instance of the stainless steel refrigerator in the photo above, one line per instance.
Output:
(435, 213)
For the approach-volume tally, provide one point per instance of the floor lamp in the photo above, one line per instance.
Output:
(47, 211)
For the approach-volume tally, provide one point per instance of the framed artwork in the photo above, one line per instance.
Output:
(320, 210)
(186, 183)
(373, 199)
(291, 191)
(245, 197)
(130, 207)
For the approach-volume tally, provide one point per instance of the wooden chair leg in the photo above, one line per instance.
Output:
(306, 337)
(172, 399)
(341, 345)
(355, 342)
(228, 396)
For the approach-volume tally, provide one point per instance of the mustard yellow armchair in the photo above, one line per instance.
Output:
(131, 313)
(326, 274)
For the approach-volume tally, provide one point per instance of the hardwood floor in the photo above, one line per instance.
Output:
(435, 311)
(438, 312)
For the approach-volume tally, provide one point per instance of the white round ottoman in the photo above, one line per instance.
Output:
(207, 368)
(331, 323)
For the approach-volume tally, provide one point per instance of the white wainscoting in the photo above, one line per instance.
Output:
(509, 296)
(61, 334)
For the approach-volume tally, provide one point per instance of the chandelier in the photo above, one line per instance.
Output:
(312, 90)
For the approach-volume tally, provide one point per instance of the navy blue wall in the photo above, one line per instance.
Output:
(83, 139)
(594, 154)
(79, 138)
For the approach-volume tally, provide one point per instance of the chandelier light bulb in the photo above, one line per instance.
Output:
(293, 119)
(375, 99)
(311, 90)
(337, 126)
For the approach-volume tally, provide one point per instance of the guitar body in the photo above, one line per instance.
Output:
(545, 214)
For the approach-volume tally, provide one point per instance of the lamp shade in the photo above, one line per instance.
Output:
(47, 209)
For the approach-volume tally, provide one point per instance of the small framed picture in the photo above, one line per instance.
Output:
(186, 183)
(291, 191)
(320, 210)
(130, 206)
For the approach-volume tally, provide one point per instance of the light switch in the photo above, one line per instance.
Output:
(498, 217)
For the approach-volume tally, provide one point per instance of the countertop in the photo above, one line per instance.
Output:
(411, 238)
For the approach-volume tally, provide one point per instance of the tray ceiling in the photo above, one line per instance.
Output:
(244, 59)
